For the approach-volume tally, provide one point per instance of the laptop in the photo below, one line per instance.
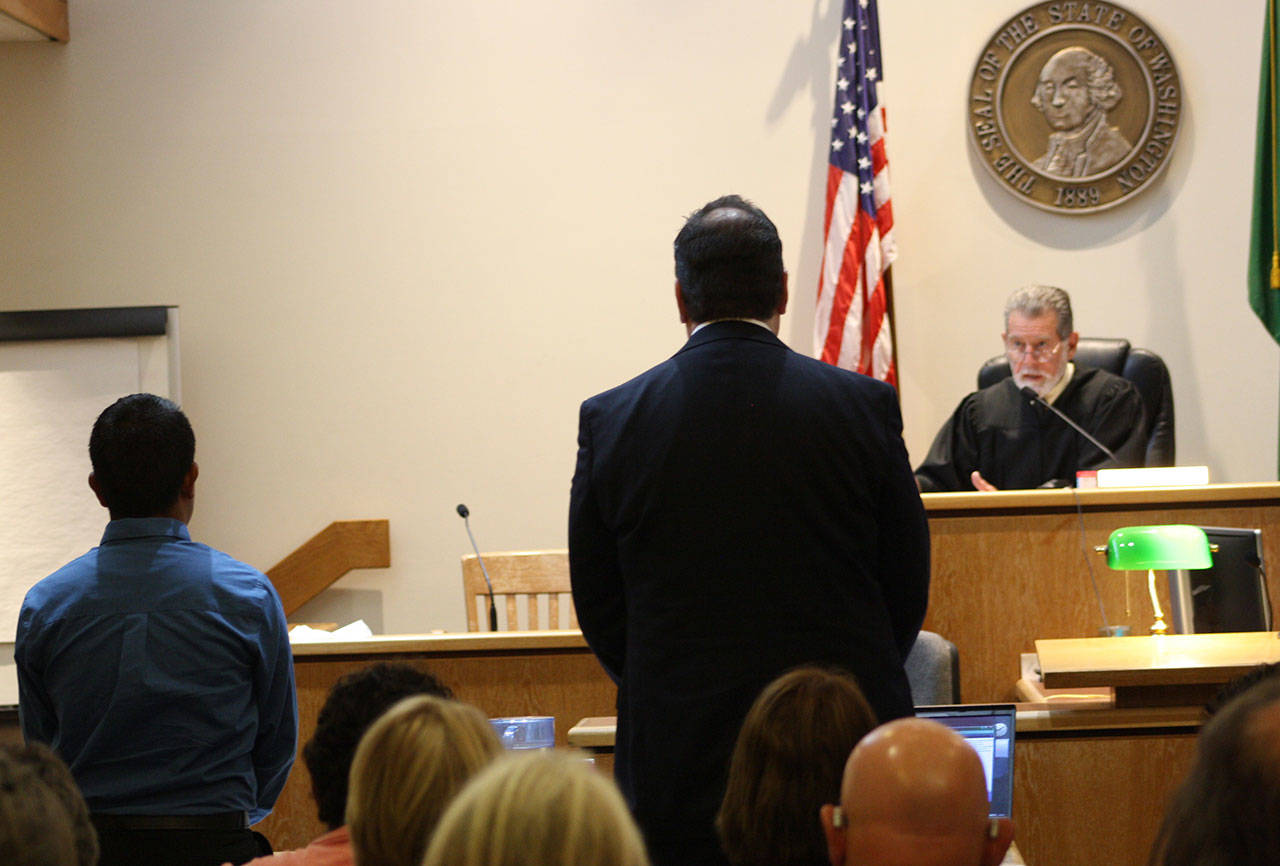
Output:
(989, 728)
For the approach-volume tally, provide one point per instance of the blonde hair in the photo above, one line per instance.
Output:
(547, 808)
(407, 768)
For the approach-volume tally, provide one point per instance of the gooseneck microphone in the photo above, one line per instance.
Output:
(464, 513)
(1030, 393)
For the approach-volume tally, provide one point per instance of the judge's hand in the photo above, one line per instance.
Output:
(981, 483)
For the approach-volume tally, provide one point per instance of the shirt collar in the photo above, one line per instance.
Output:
(142, 527)
(1057, 389)
(731, 319)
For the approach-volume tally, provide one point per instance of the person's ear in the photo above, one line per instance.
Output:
(998, 839)
(1072, 340)
(188, 490)
(97, 491)
(782, 303)
(684, 313)
(834, 822)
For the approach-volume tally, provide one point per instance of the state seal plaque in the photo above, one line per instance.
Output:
(1074, 106)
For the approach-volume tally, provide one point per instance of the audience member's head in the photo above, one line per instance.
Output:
(729, 263)
(914, 794)
(1240, 685)
(49, 768)
(787, 763)
(35, 827)
(142, 449)
(353, 704)
(547, 808)
(1227, 811)
(408, 766)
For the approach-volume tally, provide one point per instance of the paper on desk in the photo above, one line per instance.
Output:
(358, 630)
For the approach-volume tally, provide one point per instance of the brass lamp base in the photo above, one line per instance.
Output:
(1157, 627)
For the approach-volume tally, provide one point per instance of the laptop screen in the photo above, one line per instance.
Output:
(989, 728)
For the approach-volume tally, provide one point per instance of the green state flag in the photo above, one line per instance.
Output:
(1264, 239)
(1264, 244)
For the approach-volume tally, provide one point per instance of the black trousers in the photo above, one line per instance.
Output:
(179, 847)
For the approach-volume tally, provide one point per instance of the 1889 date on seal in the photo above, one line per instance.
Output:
(1074, 106)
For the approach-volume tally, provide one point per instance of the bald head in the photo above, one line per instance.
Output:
(914, 794)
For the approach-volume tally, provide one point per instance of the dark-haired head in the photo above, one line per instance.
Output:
(1225, 812)
(1240, 685)
(729, 263)
(354, 703)
(142, 449)
(787, 763)
(51, 772)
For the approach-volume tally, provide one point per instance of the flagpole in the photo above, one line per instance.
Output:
(893, 330)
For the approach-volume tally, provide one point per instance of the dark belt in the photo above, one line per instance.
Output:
(220, 821)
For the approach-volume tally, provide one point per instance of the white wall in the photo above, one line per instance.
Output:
(408, 238)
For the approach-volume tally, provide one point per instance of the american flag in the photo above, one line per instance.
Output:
(851, 327)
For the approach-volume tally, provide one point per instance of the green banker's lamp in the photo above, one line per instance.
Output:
(1177, 546)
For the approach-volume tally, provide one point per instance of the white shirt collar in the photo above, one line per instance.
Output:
(1057, 389)
(702, 325)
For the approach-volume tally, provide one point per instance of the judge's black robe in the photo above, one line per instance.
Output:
(1016, 444)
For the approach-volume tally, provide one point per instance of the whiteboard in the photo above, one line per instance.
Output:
(51, 391)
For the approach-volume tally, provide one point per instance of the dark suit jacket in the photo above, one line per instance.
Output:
(737, 511)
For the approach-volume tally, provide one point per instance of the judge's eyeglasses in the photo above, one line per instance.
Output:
(1042, 351)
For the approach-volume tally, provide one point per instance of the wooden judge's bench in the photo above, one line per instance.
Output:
(1009, 568)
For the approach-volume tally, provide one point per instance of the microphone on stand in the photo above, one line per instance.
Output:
(1030, 394)
(464, 513)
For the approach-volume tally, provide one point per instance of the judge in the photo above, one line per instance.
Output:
(999, 439)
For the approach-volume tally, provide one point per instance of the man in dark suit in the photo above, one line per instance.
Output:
(736, 511)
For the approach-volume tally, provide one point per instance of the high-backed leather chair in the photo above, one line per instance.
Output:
(1144, 368)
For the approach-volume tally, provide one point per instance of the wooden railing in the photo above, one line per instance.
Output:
(338, 548)
(47, 17)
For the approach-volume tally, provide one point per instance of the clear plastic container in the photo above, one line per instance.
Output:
(526, 732)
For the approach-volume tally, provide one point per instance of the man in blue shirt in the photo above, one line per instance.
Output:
(160, 668)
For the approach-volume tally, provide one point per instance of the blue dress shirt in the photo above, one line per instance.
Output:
(160, 670)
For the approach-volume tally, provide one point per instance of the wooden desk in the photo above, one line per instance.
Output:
(1089, 785)
(1156, 670)
(547, 673)
(1011, 567)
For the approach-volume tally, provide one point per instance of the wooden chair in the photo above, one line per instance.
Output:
(531, 575)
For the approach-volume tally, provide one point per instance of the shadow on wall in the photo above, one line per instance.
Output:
(808, 76)
(343, 606)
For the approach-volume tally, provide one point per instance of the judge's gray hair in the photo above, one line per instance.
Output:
(1035, 300)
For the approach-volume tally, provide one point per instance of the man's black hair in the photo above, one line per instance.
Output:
(729, 262)
(141, 448)
(1224, 814)
(354, 703)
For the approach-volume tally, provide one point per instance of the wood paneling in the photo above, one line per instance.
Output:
(1095, 798)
